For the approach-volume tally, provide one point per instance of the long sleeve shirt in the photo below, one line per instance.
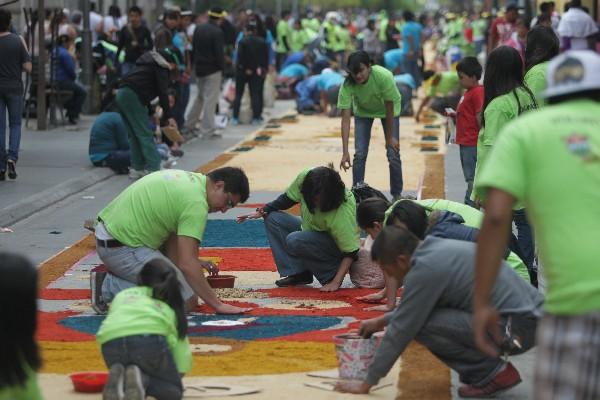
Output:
(65, 65)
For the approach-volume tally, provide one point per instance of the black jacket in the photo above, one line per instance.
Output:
(135, 42)
(253, 53)
(208, 49)
(150, 79)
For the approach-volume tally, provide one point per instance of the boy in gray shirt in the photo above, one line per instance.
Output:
(436, 311)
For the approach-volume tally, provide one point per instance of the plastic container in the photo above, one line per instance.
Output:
(89, 381)
(221, 281)
(354, 354)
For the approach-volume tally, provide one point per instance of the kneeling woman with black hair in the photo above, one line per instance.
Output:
(144, 340)
(322, 242)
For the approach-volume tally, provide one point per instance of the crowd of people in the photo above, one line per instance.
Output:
(472, 291)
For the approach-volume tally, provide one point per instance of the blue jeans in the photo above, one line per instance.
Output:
(152, 355)
(362, 137)
(448, 334)
(524, 237)
(411, 66)
(13, 103)
(181, 102)
(296, 251)
(468, 160)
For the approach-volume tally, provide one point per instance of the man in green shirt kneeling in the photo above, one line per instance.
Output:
(163, 215)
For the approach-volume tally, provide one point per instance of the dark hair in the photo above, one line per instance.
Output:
(18, 305)
(62, 39)
(428, 74)
(260, 26)
(285, 13)
(353, 65)
(411, 214)
(408, 16)
(503, 74)
(135, 9)
(470, 67)
(236, 181)
(5, 17)
(545, 7)
(542, 46)
(370, 211)
(171, 14)
(114, 11)
(541, 19)
(159, 275)
(392, 242)
(575, 4)
(325, 183)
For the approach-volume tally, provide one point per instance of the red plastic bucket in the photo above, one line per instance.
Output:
(355, 354)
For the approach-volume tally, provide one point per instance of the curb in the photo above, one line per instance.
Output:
(37, 202)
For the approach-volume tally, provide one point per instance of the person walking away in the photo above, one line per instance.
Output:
(412, 40)
(252, 67)
(577, 28)
(149, 79)
(542, 46)
(370, 92)
(549, 160)
(135, 39)
(284, 32)
(144, 339)
(209, 61)
(15, 59)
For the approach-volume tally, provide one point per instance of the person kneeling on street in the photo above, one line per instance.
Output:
(436, 311)
(323, 241)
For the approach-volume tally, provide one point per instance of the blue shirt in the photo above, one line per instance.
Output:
(294, 58)
(65, 65)
(308, 91)
(330, 79)
(411, 29)
(107, 135)
(393, 58)
(407, 79)
(297, 71)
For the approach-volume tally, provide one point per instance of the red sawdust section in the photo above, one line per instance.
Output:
(233, 259)
(64, 294)
(55, 267)
(50, 328)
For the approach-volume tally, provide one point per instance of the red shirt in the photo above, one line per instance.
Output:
(501, 30)
(467, 128)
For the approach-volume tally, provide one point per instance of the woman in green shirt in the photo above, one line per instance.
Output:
(18, 321)
(370, 92)
(542, 46)
(143, 338)
(505, 98)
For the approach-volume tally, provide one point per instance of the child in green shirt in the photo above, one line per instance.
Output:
(20, 355)
(143, 338)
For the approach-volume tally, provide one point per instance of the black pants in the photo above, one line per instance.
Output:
(256, 84)
(75, 102)
(118, 160)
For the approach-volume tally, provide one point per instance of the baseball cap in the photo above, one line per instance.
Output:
(572, 72)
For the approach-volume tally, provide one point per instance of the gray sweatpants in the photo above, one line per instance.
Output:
(205, 104)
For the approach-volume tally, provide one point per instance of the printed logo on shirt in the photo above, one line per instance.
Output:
(570, 71)
(580, 146)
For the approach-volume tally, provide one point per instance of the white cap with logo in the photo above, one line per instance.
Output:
(573, 72)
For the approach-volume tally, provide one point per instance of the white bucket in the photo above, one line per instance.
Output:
(355, 354)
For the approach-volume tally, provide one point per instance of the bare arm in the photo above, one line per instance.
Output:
(424, 104)
(27, 64)
(339, 276)
(491, 246)
(345, 163)
(390, 141)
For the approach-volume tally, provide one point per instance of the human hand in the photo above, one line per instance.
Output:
(331, 286)
(373, 297)
(477, 202)
(369, 326)
(417, 117)
(229, 309)
(382, 307)
(393, 143)
(485, 323)
(210, 267)
(345, 164)
(356, 387)
(259, 213)
(172, 122)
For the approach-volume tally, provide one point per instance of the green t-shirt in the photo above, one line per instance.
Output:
(283, 31)
(472, 218)
(29, 391)
(134, 311)
(479, 26)
(447, 85)
(339, 223)
(550, 160)
(535, 79)
(162, 203)
(368, 99)
(298, 38)
(498, 114)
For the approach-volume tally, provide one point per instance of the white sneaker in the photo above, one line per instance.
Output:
(137, 174)
(134, 385)
(114, 388)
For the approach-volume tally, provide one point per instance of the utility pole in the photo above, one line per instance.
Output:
(86, 57)
(41, 70)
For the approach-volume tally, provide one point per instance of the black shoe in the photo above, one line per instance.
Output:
(2, 175)
(304, 278)
(12, 172)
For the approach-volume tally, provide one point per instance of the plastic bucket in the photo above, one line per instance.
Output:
(355, 354)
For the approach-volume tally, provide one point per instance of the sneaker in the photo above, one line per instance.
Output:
(97, 276)
(169, 162)
(113, 390)
(136, 174)
(2, 175)
(505, 379)
(257, 121)
(12, 172)
(303, 278)
(235, 121)
(134, 386)
(177, 153)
